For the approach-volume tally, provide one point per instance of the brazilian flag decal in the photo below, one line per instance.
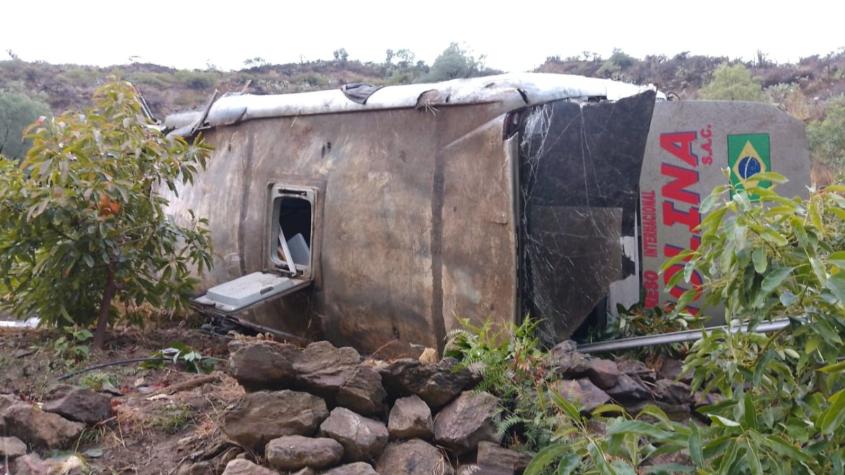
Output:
(748, 155)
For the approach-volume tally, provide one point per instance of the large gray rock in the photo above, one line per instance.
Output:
(295, 452)
(324, 369)
(357, 468)
(476, 469)
(263, 364)
(265, 415)
(493, 455)
(672, 392)
(41, 429)
(603, 373)
(11, 447)
(245, 467)
(362, 438)
(566, 361)
(32, 464)
(629, 389)
(6, 401)
(414, 457)
(362, 392)
(583, 392)
(435, 384)
(466, 421)
(410, 418)
(636, 369)
(79, 404)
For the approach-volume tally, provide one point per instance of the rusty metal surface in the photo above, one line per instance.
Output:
(413, 221)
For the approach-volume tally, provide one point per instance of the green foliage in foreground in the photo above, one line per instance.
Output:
(782, 403)
(82, 224)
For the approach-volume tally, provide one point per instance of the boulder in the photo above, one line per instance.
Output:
(629, 389)
(582, 391)
(414, 457)
(398, 349)
(79, 404)
(435, 384)
(671, 368)
(466, 421)
(410, 418)
(672, 392)
(6, 401)
(493, 455)
(245, 467)
(295, 452)
(200, 468)
(262, 416)
(362, 392)
(357, 468)
(31, 464)
(476, 469)
(11, 447)
(567, 362)
(636, 369)
(362, 438)
(603, 373)
(263, 364)
(41, 429)
(323, 368)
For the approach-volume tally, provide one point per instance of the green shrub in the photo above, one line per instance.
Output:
(17, 111)
(82, 224)
(783, 394)
(732, 83)
(827, 136)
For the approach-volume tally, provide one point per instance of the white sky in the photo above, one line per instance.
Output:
(514, 36)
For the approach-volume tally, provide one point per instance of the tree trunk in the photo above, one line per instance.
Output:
(105, 306)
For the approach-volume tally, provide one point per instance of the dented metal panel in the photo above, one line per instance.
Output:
(579, 171)
(509, 90)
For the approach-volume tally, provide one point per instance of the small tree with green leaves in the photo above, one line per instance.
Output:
(16, 112)
(732, 83)
(827, 136)
(82, 226)
(453, 63)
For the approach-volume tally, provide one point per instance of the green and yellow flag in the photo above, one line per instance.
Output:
(748, 155)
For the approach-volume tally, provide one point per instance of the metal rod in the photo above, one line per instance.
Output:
(675, 337)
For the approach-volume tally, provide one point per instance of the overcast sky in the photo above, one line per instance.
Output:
(514, 36)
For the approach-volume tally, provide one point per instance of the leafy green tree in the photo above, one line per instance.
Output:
(732, 83)
(455, 62)
(616, 64)
(827, 136)
(16, 112)
(82, 226)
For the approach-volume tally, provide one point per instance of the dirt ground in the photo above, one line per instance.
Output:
(158, 423)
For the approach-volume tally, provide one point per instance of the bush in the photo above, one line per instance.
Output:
(16, 112)
(81, 222)
(827, 136)
(784, 402)
(732, 83)
(453, 63)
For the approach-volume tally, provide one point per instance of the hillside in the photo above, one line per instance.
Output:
(167, 90)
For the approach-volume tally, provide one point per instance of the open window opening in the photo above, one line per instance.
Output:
(289, 263)
(292, 226)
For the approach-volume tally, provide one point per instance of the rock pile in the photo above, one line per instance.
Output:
(323, 409)
(595, 381)
(56, 425)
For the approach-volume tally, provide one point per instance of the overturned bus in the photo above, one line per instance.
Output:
(369, 214)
